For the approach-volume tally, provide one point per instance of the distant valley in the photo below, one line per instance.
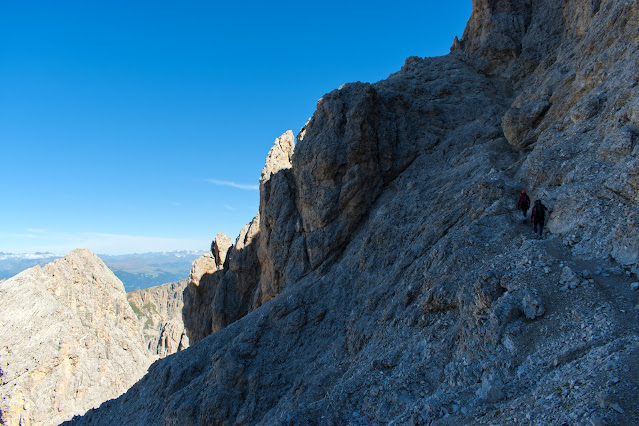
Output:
(136, 271)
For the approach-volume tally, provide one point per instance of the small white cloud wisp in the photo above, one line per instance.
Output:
(35, 230)
(233, 184)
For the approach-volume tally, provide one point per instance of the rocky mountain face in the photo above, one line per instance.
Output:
(387, 277)
(68, 341)
(159, 312)
(234, 279)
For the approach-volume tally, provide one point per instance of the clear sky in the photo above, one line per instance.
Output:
(133, 126)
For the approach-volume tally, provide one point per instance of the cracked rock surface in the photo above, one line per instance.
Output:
(159, 312)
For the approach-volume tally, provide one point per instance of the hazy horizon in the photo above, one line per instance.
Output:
(135, 270)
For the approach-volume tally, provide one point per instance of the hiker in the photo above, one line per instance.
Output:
(539, 216)
(523, 203)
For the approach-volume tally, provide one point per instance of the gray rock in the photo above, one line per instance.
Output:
(339, 168)
(603, 399)
(634, 286)
(495, 33)
(569, 278)
(617, 145)
(519, 122)
(531, 306)
(281, 251)
(199, 296)
(615, 270)
(568, 275)
(586, 108)
(203, 265)
(617, 408)
(220, 248)
(490, 391)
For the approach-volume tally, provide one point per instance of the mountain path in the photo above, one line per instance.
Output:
(605, 303)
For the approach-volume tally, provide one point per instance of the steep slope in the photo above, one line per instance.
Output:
(69, 341)
(159, 311)
(410, 290)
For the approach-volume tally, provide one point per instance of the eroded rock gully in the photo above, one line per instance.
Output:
(386, 277)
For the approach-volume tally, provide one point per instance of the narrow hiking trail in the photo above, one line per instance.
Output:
(589, 333)
(605, 281)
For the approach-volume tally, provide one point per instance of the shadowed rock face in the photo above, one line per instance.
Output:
(419, 296)
(217, 295)
(362, 136)
(281, 251)
(269, 253)
(68, 340)
(495, 32)
(337, 168)
(198, 297)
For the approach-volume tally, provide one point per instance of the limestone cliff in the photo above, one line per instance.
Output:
(159, 312)
(234, 279)
(68, 341)
(411, 293)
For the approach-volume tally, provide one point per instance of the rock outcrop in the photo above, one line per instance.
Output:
(281, 249)
(220, 247)
(159, 312)
(68, 341)
(409, 291)
(269, 253)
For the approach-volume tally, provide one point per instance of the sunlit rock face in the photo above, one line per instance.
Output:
(68, 340)
(159, 312)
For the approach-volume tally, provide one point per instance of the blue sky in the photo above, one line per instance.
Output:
(133, 126)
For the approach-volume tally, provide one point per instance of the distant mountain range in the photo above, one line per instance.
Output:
(136, 271)
(13, 263)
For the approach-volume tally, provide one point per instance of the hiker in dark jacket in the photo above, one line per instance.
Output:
(523, 203)
(539, 216)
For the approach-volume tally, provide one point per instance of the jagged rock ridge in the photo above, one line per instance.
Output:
(234, 279)
(68, 341)
(410, 291)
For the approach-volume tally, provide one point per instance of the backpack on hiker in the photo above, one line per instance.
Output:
(539, 213)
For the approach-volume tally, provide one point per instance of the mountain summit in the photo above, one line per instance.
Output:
(68, 341)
